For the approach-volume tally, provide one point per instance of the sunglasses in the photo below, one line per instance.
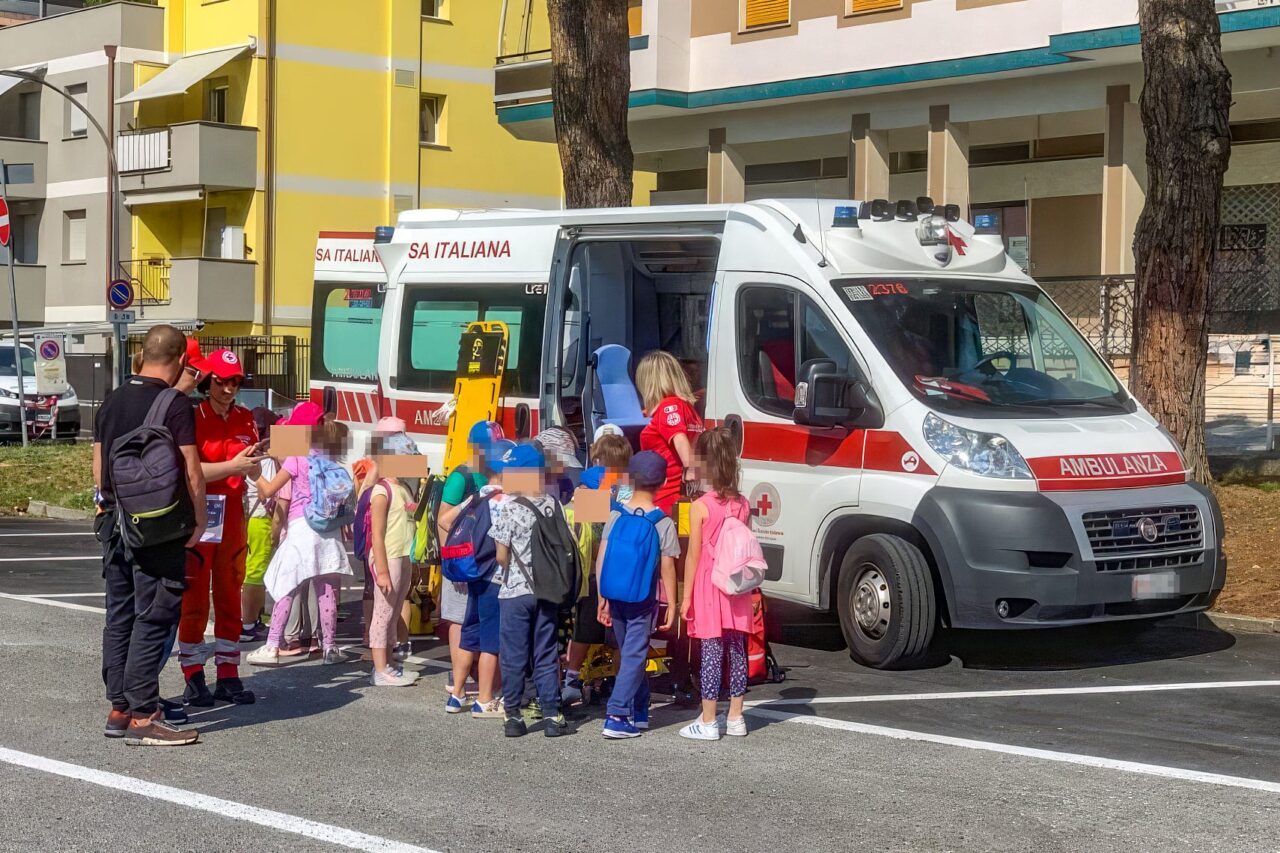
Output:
(191, 370)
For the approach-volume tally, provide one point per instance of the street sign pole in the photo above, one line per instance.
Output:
(120, 297)
(13, 300)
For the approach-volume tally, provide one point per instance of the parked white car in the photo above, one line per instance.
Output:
(42, 411)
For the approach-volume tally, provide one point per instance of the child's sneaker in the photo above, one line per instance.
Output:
(733, 728)
(402, 651)
(493, 710)
(533, 711)
(698, 730)
(640, 716)
(556, 726)
(617, 728)
(264, 656)
(390, 678)
(514, 727)
(454, 704)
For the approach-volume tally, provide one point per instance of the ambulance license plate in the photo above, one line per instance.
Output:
(1155, 585)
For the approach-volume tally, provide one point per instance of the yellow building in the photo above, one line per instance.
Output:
(276, 119)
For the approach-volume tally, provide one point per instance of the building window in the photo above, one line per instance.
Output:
(215, 101)
(857, 7)
(635, 14)
(433, 8)
(430, 120)
(76, 124)
(26, 238)
(73, 237)
(765, 13)
(29, 115)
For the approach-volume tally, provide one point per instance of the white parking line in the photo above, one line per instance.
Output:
(1003, 694)
(66, 605)
(1026, 752)
(25, 535)
(226, 808)
(93, 557)
(66, 594)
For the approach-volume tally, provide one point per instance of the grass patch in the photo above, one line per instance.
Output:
(61, 474)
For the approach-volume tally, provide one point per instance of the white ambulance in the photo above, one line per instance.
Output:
(925, 437)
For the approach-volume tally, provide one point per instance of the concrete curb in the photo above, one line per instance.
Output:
(1229, 622)
(44, 509)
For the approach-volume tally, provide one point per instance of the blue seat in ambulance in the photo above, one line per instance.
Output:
(616, 401)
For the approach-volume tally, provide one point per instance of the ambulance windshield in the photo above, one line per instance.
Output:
(961, 344)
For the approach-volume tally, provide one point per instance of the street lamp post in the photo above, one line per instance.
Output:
(113, 177)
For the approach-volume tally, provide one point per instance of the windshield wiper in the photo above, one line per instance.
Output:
(1103, 402)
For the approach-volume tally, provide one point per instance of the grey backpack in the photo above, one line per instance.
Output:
(148, 480)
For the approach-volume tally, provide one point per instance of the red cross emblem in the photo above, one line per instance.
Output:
(956, 241)
(764, 505)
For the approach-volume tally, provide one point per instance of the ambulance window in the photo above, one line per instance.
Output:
(346, 322)
(433, 318)
(819, 338)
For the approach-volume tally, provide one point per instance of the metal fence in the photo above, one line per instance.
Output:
(280, 363)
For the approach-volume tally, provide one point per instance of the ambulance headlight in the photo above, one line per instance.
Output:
(982, 453)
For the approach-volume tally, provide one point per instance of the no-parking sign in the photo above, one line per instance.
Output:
(51, 366)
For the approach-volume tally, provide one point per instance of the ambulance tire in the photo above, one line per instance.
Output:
(886, 603)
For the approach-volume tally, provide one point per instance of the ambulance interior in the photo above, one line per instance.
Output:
(626, 298)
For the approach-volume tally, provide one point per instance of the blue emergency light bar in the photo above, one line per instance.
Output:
(846, 217)
(383, 233)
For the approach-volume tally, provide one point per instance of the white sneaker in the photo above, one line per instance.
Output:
(494, 710)
(733, 728)
(264, 656)
(389, 678)
(332, 656)
(698, 730)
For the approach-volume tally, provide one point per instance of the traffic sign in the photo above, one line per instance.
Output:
(120, 294)
(4, 223)
(122, 318)
(49, 349)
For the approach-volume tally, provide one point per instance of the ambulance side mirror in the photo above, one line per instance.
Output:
(826, 397)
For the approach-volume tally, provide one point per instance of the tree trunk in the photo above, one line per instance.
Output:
(590, 86)
(1186, 97)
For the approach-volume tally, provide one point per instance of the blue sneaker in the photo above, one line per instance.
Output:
(640, 716)
(453, 705)
(174, 712)
(617, 728)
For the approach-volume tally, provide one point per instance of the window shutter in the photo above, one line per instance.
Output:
(766, 13)
(873, 5)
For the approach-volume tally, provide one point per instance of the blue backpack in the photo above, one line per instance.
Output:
(362, 529)
(632, 556)
(330, 506)
(469, 553)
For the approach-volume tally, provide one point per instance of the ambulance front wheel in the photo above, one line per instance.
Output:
(886, 602)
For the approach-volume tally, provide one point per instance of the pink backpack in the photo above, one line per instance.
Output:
(738, 565)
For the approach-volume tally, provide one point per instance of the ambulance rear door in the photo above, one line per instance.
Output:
(765, 327)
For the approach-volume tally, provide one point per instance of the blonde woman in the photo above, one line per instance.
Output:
(673, 424)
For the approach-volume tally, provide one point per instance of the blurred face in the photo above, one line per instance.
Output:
(522, 481)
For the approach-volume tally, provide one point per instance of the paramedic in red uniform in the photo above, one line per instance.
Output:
(227, 441)
(674, 424)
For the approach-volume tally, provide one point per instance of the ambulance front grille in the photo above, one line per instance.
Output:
(1120, 532)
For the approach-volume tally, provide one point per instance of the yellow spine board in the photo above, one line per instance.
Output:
(478, 398)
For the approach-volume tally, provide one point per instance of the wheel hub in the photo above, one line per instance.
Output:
(871, 605)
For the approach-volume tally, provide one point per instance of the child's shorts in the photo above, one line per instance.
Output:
(480, 627)
(259, 555)
(586, 628)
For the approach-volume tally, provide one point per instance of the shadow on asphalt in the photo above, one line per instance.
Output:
(1046, 649)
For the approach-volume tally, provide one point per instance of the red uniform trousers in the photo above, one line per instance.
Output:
(222, 564)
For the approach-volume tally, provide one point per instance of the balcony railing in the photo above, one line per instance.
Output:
(147, 150)
(150, 279)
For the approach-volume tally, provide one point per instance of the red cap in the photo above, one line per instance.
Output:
(222, 363)
(194, 356)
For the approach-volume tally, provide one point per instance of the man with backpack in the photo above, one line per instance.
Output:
(640, 545)
(151, 509)
(538, 563)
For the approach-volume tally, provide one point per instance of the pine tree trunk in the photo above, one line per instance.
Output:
(1186, 97)
(590, 86)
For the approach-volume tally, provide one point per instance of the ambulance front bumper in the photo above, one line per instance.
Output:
(1032, 559)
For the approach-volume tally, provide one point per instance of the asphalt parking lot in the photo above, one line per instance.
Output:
(1149, 739)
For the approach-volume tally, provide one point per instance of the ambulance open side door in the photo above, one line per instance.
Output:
(766, 327)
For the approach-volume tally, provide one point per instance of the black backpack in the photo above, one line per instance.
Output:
(149, 481)
(556, 572)
(429, 505)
